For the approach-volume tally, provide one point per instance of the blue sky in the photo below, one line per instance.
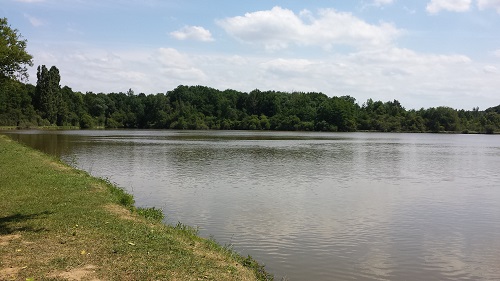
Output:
(424, 53)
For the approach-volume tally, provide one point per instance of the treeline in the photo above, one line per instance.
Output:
(202, 108)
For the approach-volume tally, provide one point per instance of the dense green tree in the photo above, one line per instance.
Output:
(267, 103)
(413, 122)
(339, 112)
(156, 110)
(16, 107)
(441, 119)
(491, 109)
(14, 59)
(72, 107)
(301, 105)
(48, 96)
(198, 107)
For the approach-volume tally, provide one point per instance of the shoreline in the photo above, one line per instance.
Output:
(59, 222)
(73, 128)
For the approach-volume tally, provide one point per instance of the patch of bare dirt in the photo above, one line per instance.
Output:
(97, 186)
(82, 273)
(59, 166)
(62, 167)
(5, 239)
(9, 273)
(221, 262)
(52, 163)
(121, 212)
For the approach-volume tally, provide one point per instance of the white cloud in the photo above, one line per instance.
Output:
(435, 6)
(409, 10)
(178, 65)
(497, 53)
(489, 4)
(291, 68)
(490, 69)
(279, 28)
(415, 79)
(379, 3)
(197, 33)
(34, 21)
(376, 3)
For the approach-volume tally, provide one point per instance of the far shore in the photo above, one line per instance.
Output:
(57, 128)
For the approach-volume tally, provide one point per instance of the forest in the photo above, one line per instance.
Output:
(202, 108)
(47, 104)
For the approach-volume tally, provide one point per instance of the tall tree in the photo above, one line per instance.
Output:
(48, 94)
(13, 56)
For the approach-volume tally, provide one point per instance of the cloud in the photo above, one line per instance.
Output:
(287, 67)
(34, 21)
(197, 33)
(435, 6)
(280, 28)
(376, 3)
(178, 65)
(490, 69)
(379, 3)
(409, 10)
(30, 1)
(497, 53)
(415, 79)
(487, 4)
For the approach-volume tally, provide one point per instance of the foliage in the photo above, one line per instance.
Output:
(203, 108)
(16, 107)
(48, 96)
(121, 196)
(14, 58)
(151, 213)
(186, 229)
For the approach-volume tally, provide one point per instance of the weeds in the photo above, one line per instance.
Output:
(153, 214)
(121, 196)
(257, 268)
(189, 230)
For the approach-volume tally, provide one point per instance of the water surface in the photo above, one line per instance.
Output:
(314, 206)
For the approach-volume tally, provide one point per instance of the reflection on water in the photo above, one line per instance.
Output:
(314, 206)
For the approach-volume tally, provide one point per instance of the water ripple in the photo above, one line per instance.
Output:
(315, 206)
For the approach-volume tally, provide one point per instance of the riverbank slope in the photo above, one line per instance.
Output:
(59, 223)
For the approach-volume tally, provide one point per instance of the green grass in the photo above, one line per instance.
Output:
(58, 223)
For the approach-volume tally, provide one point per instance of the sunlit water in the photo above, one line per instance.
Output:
(314, 206)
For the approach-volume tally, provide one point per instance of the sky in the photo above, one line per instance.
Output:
(423, 53)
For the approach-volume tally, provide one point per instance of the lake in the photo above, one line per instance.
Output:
(313, 206)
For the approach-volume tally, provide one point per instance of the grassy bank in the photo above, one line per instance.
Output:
(58, 223)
